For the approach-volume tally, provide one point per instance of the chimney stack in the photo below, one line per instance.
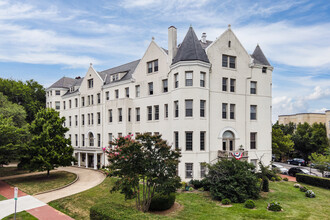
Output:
(204, 37)
(172, 43)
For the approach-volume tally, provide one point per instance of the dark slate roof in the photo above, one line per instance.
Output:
(259, 57)
(128, 68)
(190, 49)
(64, 82)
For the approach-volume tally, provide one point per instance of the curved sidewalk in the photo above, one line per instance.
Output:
(87, 179)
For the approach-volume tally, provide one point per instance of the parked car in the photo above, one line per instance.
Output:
(294, 170)
(279, 167)
(297, 161)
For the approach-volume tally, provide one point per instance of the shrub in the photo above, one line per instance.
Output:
(206, 184)
(226, 202)
(191, 189)
(303, 189)
(273, 179)
(265, 185)
(313, 180)
(233, 179)
(278, 178)
(310, 194)
(250, 204)
(296, 185)
(285, 179)
(162, 202)
(196, 184)
(201, 189)
(274, 206)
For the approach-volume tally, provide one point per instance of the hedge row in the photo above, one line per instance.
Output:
(313, 180)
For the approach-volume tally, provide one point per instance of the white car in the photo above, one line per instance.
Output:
(282, 169)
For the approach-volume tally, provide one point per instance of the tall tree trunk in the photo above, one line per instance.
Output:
(47, 173)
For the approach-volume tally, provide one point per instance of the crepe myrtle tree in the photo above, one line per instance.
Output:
(144, 165)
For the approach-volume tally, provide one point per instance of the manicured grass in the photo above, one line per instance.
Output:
(10, 171)
(41, 183)
(2, 198)
(21, 216)
(200, 206)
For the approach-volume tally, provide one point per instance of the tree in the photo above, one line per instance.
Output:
(282, 144)
(144, 165)
(286, 129)
(15, 111)
(48, 147)
(322, 162)
(11, 140)
(234, 180)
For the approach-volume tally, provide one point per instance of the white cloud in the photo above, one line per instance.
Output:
(318, 93)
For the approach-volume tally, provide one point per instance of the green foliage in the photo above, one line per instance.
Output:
(30, 95)
(161, 202)
(285, 179)
(147, 159)
(226, 202)
(233, 179)
(273, 179)
(206, 184)
(265, 184)
(322, 162)
(287, 129)
(278, 178)
(274, 206)
(48, 147)
(191, 189)
(11, 140)
(11, 110)
(310, 194)
(282, 144)
(313, 180)
(250, 204)
(196, 184)
(303, 189)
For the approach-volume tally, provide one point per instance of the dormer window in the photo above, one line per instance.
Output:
(90, 83)
(152, 66)
(115, 77)
(229, 43)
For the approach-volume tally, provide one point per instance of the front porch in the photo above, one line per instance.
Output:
(90, 157)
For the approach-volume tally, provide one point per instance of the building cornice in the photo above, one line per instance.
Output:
(190, 63)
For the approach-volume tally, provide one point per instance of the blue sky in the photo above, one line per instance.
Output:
(45, 40)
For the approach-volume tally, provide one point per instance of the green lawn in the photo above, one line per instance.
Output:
(10, 171)
(21, 216)
(2, 198)
(200, 206)
(40, 183)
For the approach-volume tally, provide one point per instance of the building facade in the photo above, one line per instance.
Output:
(210, 99)
(310, 118)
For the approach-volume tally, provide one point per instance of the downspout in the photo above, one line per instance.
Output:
(209, 114)
(246, 92)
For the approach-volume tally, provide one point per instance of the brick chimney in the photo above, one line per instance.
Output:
(172, 43)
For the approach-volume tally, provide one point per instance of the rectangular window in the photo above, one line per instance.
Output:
(253, 87)
(149, 108)
(120, 134)
(253, 112)
(70, 138)
(76, 102)
(137, 91)
(189, 108)
(176, 80)
(202, 108)
(264, 69)
(70, 121)
(92, 99)
(83, 119)
(224, 60)
(176, 109)
(89, 119)
(64, 106)
(232, 111)
(176, 140)
(253, 140)
(151, 88)
(232, 62)
(99, 140)
(89, 100)
(232, 85)
(149, 64)
(57, 105)
(166, 110)
(120, 114)
(189, 78)
(83, 140)
(76, 119)
(110, 139)
(90, 83)
(152, 66)
(224, 110)
(202, 140)
(202, 80)
(189, 170)
(155, 65)
(76, 139)
(165, 85)
(82, 101)
(129, 114)
(107, 95)
(110, 115)
(92, 118)
(127, 92)
(57, 92)
(156, 107)
(99, 118)
(117, 93)
(203, 170)
(70, 104)
(98, 98)
(137, 112)
(189, 141)
(224, 84)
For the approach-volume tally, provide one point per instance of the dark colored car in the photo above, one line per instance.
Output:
(297, 161)
(294, 170)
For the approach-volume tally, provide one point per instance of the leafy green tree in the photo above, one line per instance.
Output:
(48, 147)
(286, 129)
(15, 111)
(234, 180)
(322, 162)
(11, 140)
(144, 166)
(282, 144)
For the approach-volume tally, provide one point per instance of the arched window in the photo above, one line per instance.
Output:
(91, 139)
(228, 141)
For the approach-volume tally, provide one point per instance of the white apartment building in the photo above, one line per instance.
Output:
(210, 99)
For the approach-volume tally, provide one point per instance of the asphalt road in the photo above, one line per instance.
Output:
(288, 166)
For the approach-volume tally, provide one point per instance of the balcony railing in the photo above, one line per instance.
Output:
(229, 154)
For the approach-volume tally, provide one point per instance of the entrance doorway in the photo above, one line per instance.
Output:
(228, 141)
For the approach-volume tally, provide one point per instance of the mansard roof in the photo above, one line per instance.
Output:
(259, 57)
(64, 82)
(128, 68)
(190, 49)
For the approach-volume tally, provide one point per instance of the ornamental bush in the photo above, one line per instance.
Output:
(162, 202)
(273, 179)
(278, 178)
(196, 183)
(274, 206)
(303, 188)
(226, 202)
(285, 179)
(250, 204)
(265, 184)
(310, 194)
(206, 184)
(233, 179)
